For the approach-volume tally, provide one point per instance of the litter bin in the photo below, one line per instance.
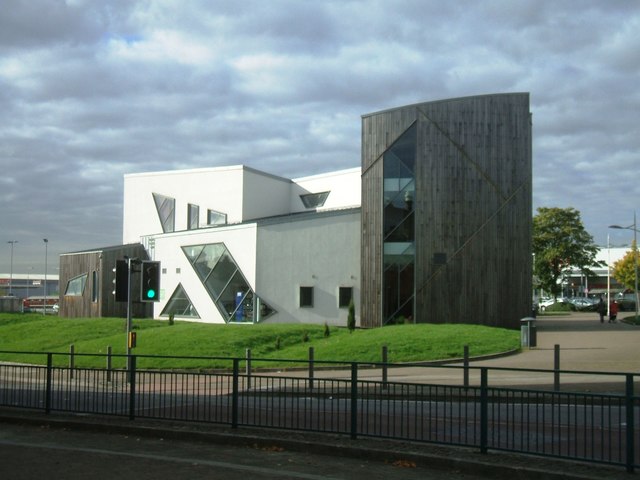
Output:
(528, 332)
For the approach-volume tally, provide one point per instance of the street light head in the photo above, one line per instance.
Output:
(616, 226)
(45, 240)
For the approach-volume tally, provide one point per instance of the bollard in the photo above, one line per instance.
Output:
(248, 368)
(72, 359)
(109, 365)
(385, 358)
(311, 357)
(556, 368)
(466, 366)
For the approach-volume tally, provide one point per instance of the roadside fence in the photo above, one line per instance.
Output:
(516, 410)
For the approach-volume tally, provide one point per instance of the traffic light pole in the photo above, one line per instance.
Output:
(129, 313)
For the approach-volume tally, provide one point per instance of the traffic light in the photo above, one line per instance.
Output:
(121, 281)
(150, 284)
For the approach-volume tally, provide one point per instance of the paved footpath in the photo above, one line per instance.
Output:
(585, 345)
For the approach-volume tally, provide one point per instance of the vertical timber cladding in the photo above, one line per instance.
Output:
(473, 209)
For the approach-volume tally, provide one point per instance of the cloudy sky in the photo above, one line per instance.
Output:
(93, 90)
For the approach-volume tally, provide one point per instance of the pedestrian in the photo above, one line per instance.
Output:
(613, 311)
(602, 309)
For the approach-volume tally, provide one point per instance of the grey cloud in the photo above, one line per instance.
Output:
(91, 91)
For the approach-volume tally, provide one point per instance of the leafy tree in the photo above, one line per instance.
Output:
(624, 271)
(560, 243)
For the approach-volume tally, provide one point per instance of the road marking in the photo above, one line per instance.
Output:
(279, 473)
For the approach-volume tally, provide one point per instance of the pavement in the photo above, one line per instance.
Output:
(586, 345)
(586, 351)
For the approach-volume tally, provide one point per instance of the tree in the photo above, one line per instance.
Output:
(560, 244)
(624, 269)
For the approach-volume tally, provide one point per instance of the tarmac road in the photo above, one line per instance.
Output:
(31, 451)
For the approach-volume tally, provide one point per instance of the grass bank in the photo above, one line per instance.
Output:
(405, 343)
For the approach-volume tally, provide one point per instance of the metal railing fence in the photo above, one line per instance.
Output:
(473, 407)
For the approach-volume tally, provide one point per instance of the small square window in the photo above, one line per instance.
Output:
(345, 294)
(306, 296)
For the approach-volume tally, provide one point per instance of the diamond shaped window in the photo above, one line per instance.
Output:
(225, 283)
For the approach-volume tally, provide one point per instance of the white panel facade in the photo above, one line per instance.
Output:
(276, 246)
(320, 251)
(265, 195)
(219, 189)
(240, 240)
(343, 185)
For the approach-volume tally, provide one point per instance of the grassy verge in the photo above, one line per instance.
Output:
(405, 343)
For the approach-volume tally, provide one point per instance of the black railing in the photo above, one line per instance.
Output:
(436, 403)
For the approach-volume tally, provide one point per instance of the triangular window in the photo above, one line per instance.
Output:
(179, 304)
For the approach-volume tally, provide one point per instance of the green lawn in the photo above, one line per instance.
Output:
(405, 343)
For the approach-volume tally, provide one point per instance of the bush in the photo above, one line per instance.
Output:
(560, 307)
(351, 318)
(305, 337)
(278, 343)
(327, 332)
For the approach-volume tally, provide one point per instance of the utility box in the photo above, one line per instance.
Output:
(528, 337)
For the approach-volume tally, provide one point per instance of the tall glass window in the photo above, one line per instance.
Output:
(399, 228)
(193, 216)
(166, 207)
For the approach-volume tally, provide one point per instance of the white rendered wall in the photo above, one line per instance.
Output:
(218, 189)
(240, 241)
(344, 185)
(321, 252)
(264, 195)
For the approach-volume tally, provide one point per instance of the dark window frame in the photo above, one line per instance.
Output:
(343, 298)
(305, 295)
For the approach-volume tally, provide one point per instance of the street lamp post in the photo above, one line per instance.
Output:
(12, 242)
(46, 251)
(635, 254)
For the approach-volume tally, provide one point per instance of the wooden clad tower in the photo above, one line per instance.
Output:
(446, 212)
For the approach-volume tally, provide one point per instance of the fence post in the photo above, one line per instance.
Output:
(72, 359)
(235, 394)
(132, 387)
(466, 366)
(556, 368)
(47, 394)
(484, 409)
(630, 423)
(354, 400)
(311, 367)
(385, 372)
(109, 363)
(248, 368)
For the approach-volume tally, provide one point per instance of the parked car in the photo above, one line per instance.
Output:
(626, 301)
(584, 304)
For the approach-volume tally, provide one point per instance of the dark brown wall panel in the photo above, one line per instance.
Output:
(473, 205)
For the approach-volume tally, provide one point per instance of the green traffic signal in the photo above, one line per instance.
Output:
(150, 281)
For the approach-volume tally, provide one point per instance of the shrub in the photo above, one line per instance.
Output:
(327, 332)
(351, 317)
(278, 343)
